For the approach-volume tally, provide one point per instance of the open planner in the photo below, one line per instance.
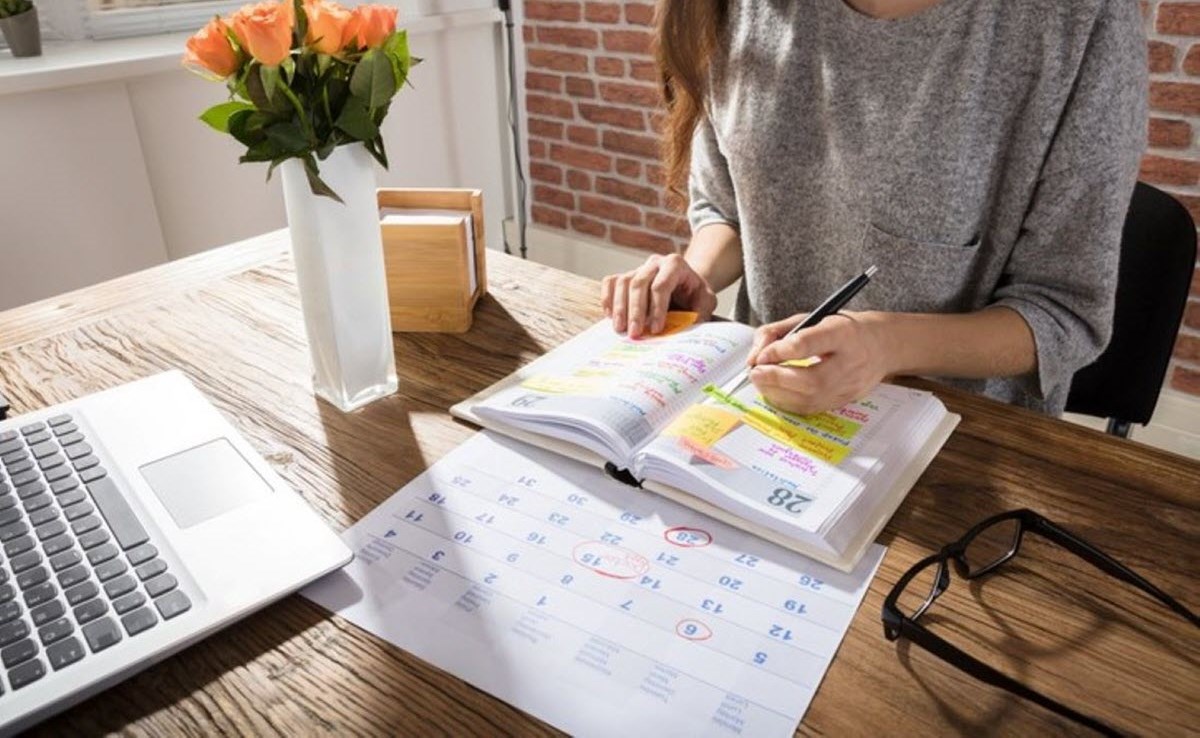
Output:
(653, 412)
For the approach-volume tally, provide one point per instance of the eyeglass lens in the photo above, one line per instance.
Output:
(992, 545)
(920, 591)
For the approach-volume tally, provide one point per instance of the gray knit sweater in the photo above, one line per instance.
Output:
(981, 152)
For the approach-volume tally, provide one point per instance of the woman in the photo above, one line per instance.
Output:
(981, 153)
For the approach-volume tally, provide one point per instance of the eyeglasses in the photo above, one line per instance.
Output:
(980, 551)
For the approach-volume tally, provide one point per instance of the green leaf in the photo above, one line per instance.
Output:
(218, 115)
(262, 151)
(355, 119)
(288, 136)
(373, 81)
(377, 151)
(246, 126)
(315, 183)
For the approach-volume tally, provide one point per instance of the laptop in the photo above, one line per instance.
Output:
(133, 523)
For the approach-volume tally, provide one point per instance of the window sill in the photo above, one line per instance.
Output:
(68, 63)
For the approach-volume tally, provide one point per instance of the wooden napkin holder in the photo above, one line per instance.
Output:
(428, 266)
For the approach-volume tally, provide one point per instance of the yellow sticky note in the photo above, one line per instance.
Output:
(833, 425)
(703, 424)
(798, 438)
(802, 363)
(563, 385)
(678, 320)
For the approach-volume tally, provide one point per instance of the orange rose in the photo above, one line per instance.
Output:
(265, 30)
(209, 50)
(369, 26)
(326, 23)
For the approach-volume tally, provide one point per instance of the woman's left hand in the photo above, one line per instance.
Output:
(853, 359)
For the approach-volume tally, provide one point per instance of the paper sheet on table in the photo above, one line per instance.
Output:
(599, 608)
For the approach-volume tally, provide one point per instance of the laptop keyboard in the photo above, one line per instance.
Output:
(78, 572)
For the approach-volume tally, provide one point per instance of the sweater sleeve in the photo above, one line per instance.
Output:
(710, 188)
(1062, 274)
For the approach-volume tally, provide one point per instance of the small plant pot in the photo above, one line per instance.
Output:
(22, 33)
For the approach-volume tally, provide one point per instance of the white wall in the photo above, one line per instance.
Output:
(101, 179)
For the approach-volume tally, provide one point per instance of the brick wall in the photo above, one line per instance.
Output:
(1173, 159)
(593, 116)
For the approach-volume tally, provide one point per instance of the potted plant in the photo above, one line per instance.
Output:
(19, 24)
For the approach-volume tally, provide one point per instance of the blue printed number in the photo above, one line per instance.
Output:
(729, 582)
(414, 516)
(796, 607)
(747, 560)
(557, 518)
(610, 538)
(668, 559)
(460, 481)
(811, 582)
(712, 606)
(760, 658)
(437, 499)
(566, 579)
(485, 518)
(508, 500)
(690, 629)
(463, 537)
(537, 538)
(490, 578)
(780, 632)
(527, 482)
(576, 499)
(631, 518)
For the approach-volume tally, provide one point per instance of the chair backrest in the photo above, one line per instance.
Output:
(1158, 256)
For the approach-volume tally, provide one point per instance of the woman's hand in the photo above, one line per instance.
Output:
(638, 301)
(853, 359)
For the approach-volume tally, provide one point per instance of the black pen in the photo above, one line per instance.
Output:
(832, 304)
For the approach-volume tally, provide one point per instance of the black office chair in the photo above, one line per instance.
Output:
(1158, 254)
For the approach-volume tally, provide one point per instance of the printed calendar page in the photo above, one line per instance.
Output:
(597, 607)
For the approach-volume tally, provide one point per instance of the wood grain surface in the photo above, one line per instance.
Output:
(230, 318)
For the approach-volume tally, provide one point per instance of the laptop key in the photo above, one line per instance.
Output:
(40, 593)
(32, 577)
(67, 439)
(25, 561)
(21, 466)
(90, 610)
(32, 428)
(125, 526)
(160, 585)
(77, 511)
(63, 485)
(51, 529)
(85, 462)
(101, 634)
(26, 674)
(142, 554)
(39, 437)
(129, 602)
(7, 435)
(57, 473)
(9, 612)
(65, 653)
(37, 502)
(172, 604)
(43, 516)
(24, 477)
(90, 475)
(13, 632)
(110, 569)
(100, 554)
(64, 429)
(78, 451)
(73, 497)
(44, 448)
(18, 653)
(58, 544)
(94, 538)
(13, 530)
(55, 631)
(7, 593)
(123, 585)
(81, 593)
(7, 500)
(151, 568)
(66, 559)
(11, 515)
(58, 420)
(85, 524)
(43, 614)
(51, 461)
(73, 576)
(139, 620)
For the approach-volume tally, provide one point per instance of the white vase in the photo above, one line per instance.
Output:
(343, 288)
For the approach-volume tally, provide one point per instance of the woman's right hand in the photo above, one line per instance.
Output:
(638, 301)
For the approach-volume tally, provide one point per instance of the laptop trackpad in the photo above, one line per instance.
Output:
(204, 482)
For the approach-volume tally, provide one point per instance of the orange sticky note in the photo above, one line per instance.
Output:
(678, 320)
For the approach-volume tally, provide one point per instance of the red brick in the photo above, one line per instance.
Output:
(548, 216)
(1162, 57)
(537, 149)
(628, 143)
(581, 87)
(1187, 348)
(545, 128)
(578, 180)
(575, 38)
(633, 120)
(543, 172)
(643, 70)
(1175, 97)
(608, 66)
(527, 33)
(629, 168)
(1172, 134)
(1195, 291)
(603, 12)
(559, 61)
(1191, 315)
(544, 82)
(583, 135)
(550, 106)
(655, 175)
(1145, 9)
(1178, 19)
(627, 191)
(630, 42)
(1192, 203)
(639, 14)
(553, 196)
(610, 209)
(1191, 62)
(626, 94)
(582, 158)
(641, 240)
(588, 226)
(1166, 171)
(555, 11)
(1183, 379)
(672, 225)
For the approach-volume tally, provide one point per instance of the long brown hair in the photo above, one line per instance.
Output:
(687, 33)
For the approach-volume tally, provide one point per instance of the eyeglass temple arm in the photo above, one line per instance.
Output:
(1109, 565)
(954, 656)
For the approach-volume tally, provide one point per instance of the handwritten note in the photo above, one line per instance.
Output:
(591, 605)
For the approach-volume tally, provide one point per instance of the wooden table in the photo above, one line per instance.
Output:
(231, 319)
